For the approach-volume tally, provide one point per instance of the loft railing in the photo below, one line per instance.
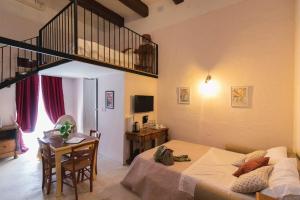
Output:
(84, 33)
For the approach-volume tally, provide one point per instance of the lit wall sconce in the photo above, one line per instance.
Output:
(209, 88)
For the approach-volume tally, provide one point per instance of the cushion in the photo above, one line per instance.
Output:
(276, 154)
(251, 165)
(284, 180)
(249, 156)
(254, 181)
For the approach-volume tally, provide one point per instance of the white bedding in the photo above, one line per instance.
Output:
(127, 59)
(214, 168)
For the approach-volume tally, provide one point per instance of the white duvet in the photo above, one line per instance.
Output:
(214, 168)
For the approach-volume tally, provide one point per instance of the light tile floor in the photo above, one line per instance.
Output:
(20, 179)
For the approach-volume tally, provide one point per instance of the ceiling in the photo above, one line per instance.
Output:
(75, 69)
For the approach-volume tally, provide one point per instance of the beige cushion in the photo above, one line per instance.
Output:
(253, 181)
(250, 156)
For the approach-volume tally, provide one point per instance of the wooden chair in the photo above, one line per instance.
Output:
(48, 163)
(96, 134)
(82, 159)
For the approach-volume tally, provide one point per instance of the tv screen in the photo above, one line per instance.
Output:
(143, 103)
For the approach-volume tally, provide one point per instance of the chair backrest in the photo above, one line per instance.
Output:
(95, 133)
(51, 132)
(45, 152)
(84, 153)
(66, 118)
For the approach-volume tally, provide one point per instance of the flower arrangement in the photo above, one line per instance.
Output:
(65, 130)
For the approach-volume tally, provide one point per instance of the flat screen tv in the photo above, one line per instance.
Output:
(143, 103)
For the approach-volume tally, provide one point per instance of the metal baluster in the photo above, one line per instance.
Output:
(124, 46)
(109, 41)
(128, 48)
(84, 31)
(119, 46)
(98, 36)
(10, 62)
(114, 44)
(2, 65)
(91, 35)
(104, 39)
(131, 50)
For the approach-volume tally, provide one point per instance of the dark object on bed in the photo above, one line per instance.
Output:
(164, 155)
(146, 52)
(26, 63)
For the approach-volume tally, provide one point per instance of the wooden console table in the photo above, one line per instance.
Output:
(8, 141)
(141, 138)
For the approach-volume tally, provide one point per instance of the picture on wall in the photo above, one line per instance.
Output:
(240, 96)
(109, 99)
(183, 95)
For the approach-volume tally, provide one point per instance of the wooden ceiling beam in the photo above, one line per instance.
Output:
(137, 6)
(178, 1)
(102, 11)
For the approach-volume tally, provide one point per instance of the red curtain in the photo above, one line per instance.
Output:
(53, 97)
(27, 96)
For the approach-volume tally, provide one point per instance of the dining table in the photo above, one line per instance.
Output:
(59, 147)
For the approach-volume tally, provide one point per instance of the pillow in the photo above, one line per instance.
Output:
(276, 154)
(249, 156)
(284, 180)
(254, 181)
(251, 165)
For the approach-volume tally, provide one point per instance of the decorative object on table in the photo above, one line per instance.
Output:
(240, 96)
(110, 99)
(65, 130)
(136, 127)
(145, 119)
(183, 95)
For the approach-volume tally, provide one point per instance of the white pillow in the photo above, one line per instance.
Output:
(276, 154)
(284, 179)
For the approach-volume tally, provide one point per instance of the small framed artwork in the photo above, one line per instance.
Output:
(109, 99)
(183, 95)
(240, 96)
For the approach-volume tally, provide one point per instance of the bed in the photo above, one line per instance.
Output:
(151, 180)
(109, 55)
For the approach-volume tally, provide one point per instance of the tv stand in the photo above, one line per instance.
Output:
(141, 138)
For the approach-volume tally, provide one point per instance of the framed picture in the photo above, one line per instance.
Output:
(240, 96)
(110, 99)
(183, 95)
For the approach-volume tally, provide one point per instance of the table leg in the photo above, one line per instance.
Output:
(153, 143)
(58, 156)
(95, 165)
(167, 136)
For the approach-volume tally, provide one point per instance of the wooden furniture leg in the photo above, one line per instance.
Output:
(58, 156)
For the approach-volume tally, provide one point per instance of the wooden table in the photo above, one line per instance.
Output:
(145, 135)
(60, 148)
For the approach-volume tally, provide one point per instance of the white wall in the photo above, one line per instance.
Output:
(70, 97)
(297, 79)
(249, 42)
(111, 121)
(138, 85)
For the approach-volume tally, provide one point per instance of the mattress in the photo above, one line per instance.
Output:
(151, 180)
(108, 55)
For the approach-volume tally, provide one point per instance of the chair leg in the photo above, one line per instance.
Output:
(43, 181)
(78, 176)
(91, 179)
(62, 179)
(75, 184)
(49, 180)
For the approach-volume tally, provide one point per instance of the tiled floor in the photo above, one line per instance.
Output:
(20, 179)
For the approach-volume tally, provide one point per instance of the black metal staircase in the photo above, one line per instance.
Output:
(78, 34)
